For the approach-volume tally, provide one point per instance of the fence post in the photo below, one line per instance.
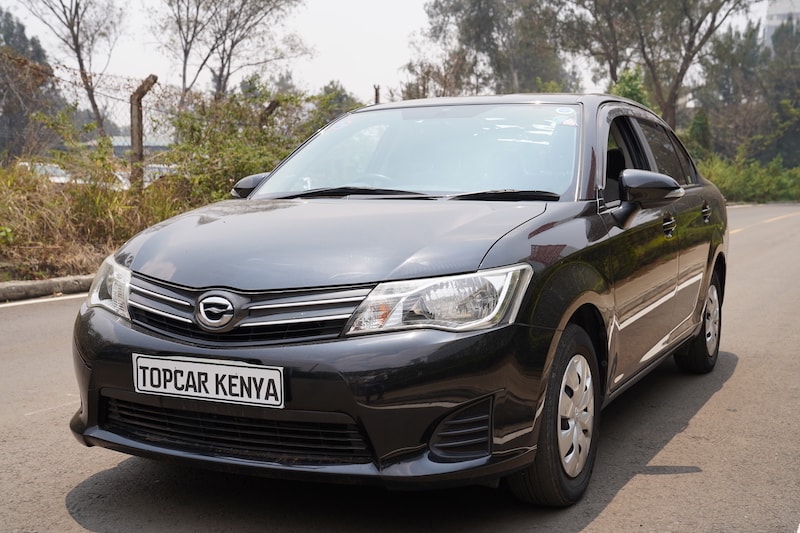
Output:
(137, 131)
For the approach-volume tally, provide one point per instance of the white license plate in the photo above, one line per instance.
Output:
(212, 380)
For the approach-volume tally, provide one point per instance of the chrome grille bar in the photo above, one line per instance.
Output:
(267, 317)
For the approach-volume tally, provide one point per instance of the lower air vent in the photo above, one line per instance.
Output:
(236, 436)
(465, 434)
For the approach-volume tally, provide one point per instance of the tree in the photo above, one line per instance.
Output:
(187, 27)
(699, 138)
(631, 85)
(83, 27)
(254, 127)
(225, 37)
(329, 104)
(447, 72)
(751, 93)
(26, 87)
(496, 46)
(732, 93)
(670, 36)
(664, 37)
(781, 136)
(598, 29)
(243, 38)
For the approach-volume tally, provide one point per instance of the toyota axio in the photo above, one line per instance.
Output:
(424, 294)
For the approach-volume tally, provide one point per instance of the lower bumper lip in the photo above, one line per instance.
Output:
(417, 471)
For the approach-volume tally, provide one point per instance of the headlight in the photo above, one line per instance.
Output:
(457, 303)
(111, 287)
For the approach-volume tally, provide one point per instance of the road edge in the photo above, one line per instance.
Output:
(24, 290)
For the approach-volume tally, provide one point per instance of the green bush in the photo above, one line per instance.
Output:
(221, 141)
(749, 181)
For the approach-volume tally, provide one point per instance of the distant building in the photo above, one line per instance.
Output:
(779, 12)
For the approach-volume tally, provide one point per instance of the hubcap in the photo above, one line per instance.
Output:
(712, 322)
(576, 415)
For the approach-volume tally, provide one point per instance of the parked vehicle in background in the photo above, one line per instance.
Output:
(58, 175)
(51, 171)
(426, 293)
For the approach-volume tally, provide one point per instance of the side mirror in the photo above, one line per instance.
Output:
(248, 184)
(650, 189)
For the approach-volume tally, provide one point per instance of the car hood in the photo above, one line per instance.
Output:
(280, 244)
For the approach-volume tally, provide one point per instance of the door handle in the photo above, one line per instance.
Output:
(706, 212)
(669, 224)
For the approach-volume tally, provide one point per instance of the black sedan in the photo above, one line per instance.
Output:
(424, 294)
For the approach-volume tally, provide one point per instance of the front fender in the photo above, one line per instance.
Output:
(565, 293)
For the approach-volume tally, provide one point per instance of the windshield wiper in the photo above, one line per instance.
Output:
(349, 190)
(507, 195)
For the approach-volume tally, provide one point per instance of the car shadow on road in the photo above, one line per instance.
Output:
(143, 495)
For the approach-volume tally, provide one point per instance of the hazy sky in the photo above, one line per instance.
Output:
(360, 43)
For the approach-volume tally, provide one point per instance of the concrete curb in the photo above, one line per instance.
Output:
(23, 290)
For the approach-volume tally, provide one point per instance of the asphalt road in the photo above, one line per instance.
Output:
(714, 453)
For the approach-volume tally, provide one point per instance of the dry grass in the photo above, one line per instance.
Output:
(49, 230)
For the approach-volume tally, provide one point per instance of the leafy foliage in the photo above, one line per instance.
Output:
(749, 181)
(698, 139)
(222, 140)
(751, 94)
(631, 85)
(496, 46)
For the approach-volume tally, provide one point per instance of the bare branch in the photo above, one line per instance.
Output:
(83, 27)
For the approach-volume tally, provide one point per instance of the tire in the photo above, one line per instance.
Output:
(568, 435)
(700, 355)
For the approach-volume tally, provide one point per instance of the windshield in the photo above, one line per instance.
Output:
(438, 150)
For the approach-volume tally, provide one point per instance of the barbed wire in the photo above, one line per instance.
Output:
(113, 93)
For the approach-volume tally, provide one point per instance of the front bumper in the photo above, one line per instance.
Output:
(416, 409)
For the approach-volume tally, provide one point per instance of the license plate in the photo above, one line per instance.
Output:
(212, 380)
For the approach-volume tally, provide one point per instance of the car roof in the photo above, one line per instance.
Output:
(590, 100)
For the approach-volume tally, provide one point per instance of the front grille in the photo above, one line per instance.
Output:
(465, 434)
(262, 317)
(237, 436)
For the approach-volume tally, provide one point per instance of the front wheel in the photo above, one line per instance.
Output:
(569, 427)
(700, 355)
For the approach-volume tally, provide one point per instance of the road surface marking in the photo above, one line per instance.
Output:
(40, 300)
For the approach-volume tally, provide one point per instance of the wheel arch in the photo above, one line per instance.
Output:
(573, 293)
(589, 318)
(720, 268)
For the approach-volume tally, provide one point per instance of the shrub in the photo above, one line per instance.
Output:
(221, 141)
(749, 181)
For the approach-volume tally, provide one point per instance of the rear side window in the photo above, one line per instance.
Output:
(670, 157)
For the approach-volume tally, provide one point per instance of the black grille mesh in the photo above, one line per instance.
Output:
(465, 434)
(235, 436)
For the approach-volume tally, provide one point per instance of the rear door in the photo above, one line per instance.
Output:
(691, 213)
